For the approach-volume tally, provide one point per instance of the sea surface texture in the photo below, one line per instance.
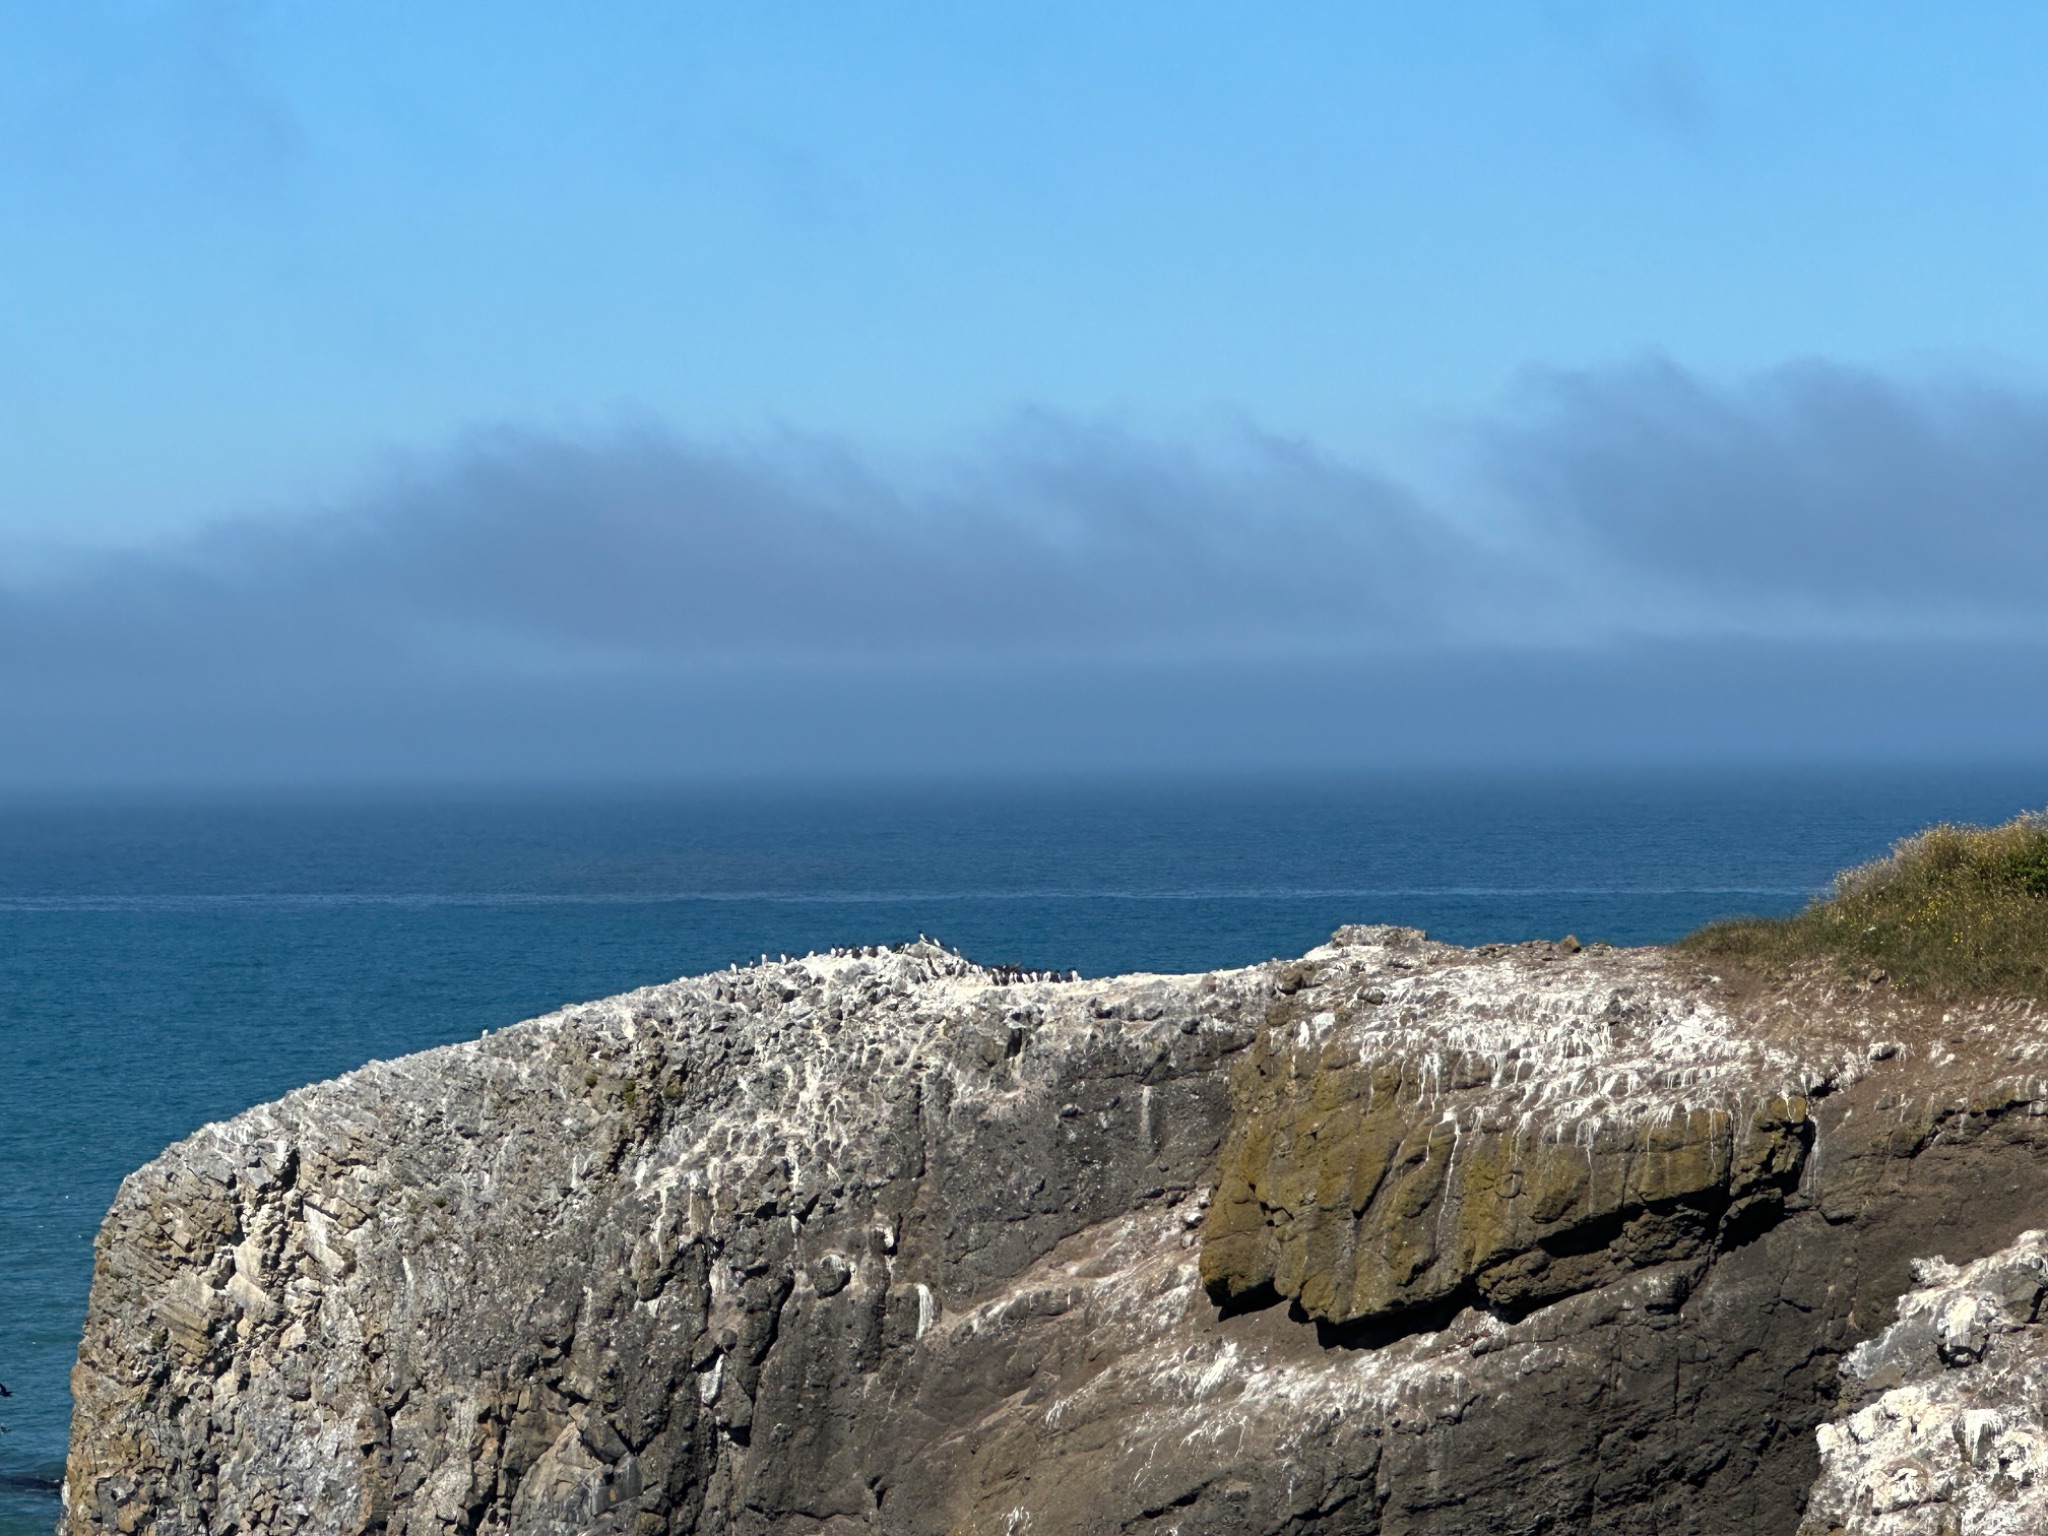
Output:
(167, 963)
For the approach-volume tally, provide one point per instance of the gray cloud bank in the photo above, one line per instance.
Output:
(1638, 565)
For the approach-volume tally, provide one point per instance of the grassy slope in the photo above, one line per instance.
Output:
(1954, 912)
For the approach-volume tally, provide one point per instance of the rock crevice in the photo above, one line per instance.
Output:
(1395, 1237)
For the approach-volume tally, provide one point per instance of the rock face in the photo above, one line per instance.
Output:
(1472, 1133)
(1393, 1238)
(1947, 1433)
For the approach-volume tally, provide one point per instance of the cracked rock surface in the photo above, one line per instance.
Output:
(1440, 1127)
(1395, 1237)
(1946, 1436)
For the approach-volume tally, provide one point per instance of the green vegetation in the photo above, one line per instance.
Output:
(1954, 912)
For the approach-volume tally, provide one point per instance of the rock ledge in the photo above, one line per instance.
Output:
(1395, 1237)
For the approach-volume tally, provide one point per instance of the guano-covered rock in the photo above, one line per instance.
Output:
(1395, 1237)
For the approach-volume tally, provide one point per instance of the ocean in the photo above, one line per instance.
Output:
(169, 961)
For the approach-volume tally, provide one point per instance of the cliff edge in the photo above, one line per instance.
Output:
(1395, 1237)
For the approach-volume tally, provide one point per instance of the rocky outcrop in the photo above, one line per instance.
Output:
(1946, 1435)
(1393, 1238)
(1444, 1131)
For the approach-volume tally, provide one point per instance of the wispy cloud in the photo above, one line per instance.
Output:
(1052, 538)
(790, 595)
(1815, 501)
(1662, 87)
(174, 95)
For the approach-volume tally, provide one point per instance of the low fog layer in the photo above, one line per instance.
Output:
(1632, 564)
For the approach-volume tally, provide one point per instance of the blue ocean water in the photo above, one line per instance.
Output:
(168, 962)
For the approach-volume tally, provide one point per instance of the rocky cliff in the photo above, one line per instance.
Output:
(1396, 1237)
(1947, 1432)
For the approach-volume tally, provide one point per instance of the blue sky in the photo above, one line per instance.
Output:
(1530, 330)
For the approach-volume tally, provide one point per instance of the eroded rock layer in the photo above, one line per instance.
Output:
(1393, 1238)
(1423, 1126)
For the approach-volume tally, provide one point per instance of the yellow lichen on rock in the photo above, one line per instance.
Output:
(1505, 1155)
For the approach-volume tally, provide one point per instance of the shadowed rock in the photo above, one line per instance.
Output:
(882, 1241)
(1422, 1125)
